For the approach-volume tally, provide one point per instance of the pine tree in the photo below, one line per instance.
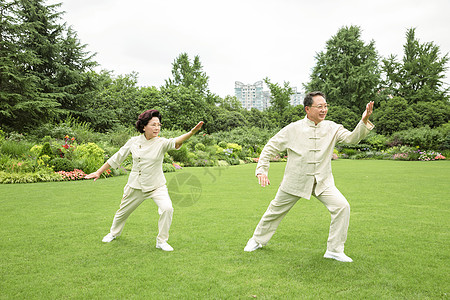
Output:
(347, 72)
(21, 99)
(45, 72)
(419, 76)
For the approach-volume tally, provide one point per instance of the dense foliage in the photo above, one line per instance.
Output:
(68, 116)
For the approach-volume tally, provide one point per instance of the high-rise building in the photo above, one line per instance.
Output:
(250, 95)
(297, 97)
(253, 96)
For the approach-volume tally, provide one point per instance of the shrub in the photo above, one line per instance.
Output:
(376, 141)
(39, 176)
(200, 147)
(236, 148)
(167, 158)
(168, 167)
(2, 136)
(222, 144)
(232, 161)
(253, 136)
(35, 151)
(92, 155)
(61, 164)
(180, 155)
(119, 136)
(423, 137)
(46, 150)
(15, 149)
(70, 126)
(348, 152)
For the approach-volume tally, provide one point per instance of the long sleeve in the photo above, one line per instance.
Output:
(118, 158)
(275, 145)
(361, 130)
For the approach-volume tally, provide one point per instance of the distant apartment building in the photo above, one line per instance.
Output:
(253, 96)
(297, 97)
(250, 95)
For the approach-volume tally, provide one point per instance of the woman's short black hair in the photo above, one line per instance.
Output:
(145, 117)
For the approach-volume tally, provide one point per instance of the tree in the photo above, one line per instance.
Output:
(419, 76)
(183, 107)
(187, 73)
(231, 103)
(227, 120)
(73, 76)
(22, 101)
(432, 114)
(186, 98)
(45, 74)
(348, 71)
(394, 115)
(279, 100)
(116, 102)
(343, 115)
(259, 119)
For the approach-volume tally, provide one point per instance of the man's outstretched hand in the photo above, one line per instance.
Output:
(366, 114)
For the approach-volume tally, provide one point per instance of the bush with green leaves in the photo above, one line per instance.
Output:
(222, 144)
(39, 176)
(424, 137)
(168, 167)
(36, 150)
(2, 136)
(46, 150)
(200, 147)
(15, 149)
(246, 136)
(376, 141)
(91, 155)
(180, 155)
(62, 164)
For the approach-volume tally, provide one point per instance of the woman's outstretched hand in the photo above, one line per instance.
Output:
(197, 127)
(94, 175)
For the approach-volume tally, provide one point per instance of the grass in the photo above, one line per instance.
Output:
(50, 238)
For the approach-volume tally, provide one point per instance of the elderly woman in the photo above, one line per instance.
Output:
(146, 179)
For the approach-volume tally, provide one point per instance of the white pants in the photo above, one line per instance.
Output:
(132, 198)
(334, 201)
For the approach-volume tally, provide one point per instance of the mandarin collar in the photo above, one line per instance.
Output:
(144, 140)
(311, 123)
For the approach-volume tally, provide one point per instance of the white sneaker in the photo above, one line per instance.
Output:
(252, 245)
(164, 247)
(108, 238)
(337, 256)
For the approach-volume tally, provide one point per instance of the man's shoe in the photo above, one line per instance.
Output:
(108, 238)
(252, 245)
(337, 256)
(164, 247)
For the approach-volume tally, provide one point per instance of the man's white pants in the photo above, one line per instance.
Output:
(132, 198)
(334, 201)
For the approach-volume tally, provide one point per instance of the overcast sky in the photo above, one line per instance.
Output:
(245, 40)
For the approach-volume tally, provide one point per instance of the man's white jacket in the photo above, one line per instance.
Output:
(309, 151)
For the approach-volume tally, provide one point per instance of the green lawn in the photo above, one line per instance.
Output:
(50, 238)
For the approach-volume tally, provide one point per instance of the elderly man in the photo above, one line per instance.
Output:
(309, 143)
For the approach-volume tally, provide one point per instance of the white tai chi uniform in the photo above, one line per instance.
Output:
(308, 172)
(146, 180)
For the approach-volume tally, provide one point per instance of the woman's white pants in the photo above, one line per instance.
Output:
(132, 198)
